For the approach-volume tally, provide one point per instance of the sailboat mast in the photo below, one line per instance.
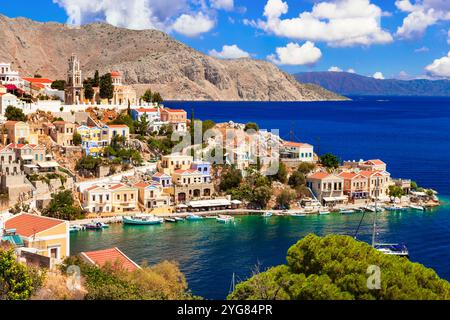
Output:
(375, 215)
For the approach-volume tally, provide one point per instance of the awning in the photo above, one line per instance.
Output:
(27, 157)
(331, 199)
(209, 203)
(236, 202)
(30, 166)
(48, 164)
(182, 206)
(418, 193)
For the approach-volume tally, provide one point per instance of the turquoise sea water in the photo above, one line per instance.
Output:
(410, 134)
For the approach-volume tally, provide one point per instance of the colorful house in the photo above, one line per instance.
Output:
(18, 132)
(152, 114)
(163, 179)
(152, 196)
(44, 236)
(297, 151)
(356, 186)
(177, 118)
(328, 188)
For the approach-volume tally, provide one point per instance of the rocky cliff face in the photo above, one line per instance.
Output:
(147, 59)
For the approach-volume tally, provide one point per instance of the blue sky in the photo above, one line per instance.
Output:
(401, 39)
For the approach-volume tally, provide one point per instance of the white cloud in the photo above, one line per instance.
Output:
(295, 54)
(338, 23)
(422, 49)
(229, 52)
(421, 15)
(351, 70)
(335, 69)
(378, 75)
(227, 5)
(193, 26)
(440, 67)
(166, 15)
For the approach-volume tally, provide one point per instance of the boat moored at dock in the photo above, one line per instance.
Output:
(194, 217)
(139, 220)
(224, 219)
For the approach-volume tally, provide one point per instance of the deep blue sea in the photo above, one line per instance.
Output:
(410, 134)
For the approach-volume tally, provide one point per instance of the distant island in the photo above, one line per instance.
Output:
(354, 84)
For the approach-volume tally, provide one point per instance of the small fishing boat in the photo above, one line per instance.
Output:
(76, 228)
(142, 221)
(194, 217)
(179, 219)
(225, 219)
(346, 211)
(94, 226)
(267, 214)
(170, 220)
(416, 207)
(324, 212)
(297, 214)
(392, 249)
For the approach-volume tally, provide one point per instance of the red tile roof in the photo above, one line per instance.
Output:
(27, 225)
(173, 110)
(375, 162)
(141, 185)
(348, 175)
(141, 110)
(369, 173)
(117, 126)
(319, 175)
(113, 256)
(117, 186)
(115, 74)
(38, 80)
(295, 144)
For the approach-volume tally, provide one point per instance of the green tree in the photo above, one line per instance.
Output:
(261, 196)
(251, 126)
(125, 119)
(88, 88)
(305, 167)
(77, 139)
(96, 82)
(336, 267)
(15, 114)
(15, 280)
(329, 161)
(285, 198)
(414, 185)
(148, 96)
(59, 85)
(396, 191)
(62, 206)
(141, 125)
(157, 98)
(232, 178)
(106, 87)
(89, 163)
(297, 179)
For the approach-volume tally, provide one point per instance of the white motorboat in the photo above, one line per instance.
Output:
(416, 207)
(142, 221)
(297, 214)
(267, 214)
(225, 219)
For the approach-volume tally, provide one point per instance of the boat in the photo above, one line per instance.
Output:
(392, 249)
(395, 208)
(76, 228)
(324, 212)
(94, 226)
(387, 248)
(179, 219)
(142, 221)
(225, 219)
(297, 214)
(267, 214)
(171, 220)
(373, 209)
(194, 217)
(416, 207)
(346, 211)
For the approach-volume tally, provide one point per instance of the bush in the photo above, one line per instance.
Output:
(232, 178)
(15, 114)
(335, 267)
(62, 206)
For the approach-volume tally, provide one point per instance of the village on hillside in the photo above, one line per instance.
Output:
(86, 148)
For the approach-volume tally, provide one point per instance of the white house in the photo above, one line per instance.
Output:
(7, 99)
(152, 114)
(8, 76)
(297, 151)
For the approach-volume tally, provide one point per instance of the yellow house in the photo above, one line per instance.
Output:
(18, 132)
(47, 237)
(124, 198)
(170, 163)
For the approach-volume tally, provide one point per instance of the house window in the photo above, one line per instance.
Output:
(36, 157)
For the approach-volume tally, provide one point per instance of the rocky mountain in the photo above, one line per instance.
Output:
(354, 84)
(147, 59)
